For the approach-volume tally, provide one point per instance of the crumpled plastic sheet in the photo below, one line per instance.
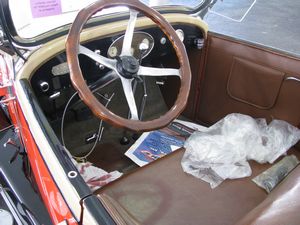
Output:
(222, 152)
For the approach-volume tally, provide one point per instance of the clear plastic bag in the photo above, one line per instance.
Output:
(222, 151)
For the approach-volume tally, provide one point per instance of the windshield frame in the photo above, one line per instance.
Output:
(11, 33)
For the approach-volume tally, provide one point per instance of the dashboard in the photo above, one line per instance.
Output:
(51, 82)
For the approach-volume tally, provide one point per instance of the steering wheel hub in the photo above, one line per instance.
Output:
(127, 66)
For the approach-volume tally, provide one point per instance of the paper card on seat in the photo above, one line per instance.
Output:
(151, 146)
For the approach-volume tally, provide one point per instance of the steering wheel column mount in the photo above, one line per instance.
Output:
(127, 66)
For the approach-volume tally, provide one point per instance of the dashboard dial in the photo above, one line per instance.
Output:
(180, 34)
(112, 52)
(146, 41)
(139, 39)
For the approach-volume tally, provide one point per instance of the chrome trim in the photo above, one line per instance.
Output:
(5, 101)
(55, 95)
(293, 79)
(6, 128)
(44, 86)
(72, 174)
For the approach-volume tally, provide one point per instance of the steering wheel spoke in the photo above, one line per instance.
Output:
(157, 72)
(127, 88)
(126, 49)
(110, 63)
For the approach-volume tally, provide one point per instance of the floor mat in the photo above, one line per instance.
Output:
(76, 129)
(108, 154)
(108, 157)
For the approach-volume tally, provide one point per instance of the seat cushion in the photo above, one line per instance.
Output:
(282, 206)
(161, 193)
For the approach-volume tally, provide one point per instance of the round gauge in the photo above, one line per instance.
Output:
(180, 34)
(141, 46)
(112, 51)
(146, 41)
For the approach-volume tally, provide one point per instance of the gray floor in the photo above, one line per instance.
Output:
(274, 23)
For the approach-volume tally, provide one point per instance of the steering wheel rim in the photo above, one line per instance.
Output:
(73, 48)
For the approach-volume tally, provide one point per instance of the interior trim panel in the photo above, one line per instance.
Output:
(247, 79)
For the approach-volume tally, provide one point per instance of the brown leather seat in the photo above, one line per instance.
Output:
(281, 206)
(161, 193)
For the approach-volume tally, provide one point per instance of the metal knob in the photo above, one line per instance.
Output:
(44, 86)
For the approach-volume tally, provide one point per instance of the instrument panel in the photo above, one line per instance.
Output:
(142, 44)
(51, 82)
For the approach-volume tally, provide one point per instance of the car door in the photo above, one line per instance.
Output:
(247, 78)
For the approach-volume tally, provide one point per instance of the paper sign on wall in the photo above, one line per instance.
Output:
(42, 8)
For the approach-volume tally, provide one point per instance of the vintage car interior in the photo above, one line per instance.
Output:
(226, 76)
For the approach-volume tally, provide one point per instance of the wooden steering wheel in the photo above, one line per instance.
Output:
(126, 66)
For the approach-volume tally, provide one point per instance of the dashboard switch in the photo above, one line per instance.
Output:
(101, 67)
(163, 40)
(199, 43)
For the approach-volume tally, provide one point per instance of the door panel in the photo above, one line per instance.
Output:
(243, 78)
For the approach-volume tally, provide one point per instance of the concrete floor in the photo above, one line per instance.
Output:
(274, 24)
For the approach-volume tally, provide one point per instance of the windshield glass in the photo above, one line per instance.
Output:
(34, 17)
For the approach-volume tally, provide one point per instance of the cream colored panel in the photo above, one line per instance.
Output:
(56, 46)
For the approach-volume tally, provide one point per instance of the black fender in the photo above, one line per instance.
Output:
(18, 193)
